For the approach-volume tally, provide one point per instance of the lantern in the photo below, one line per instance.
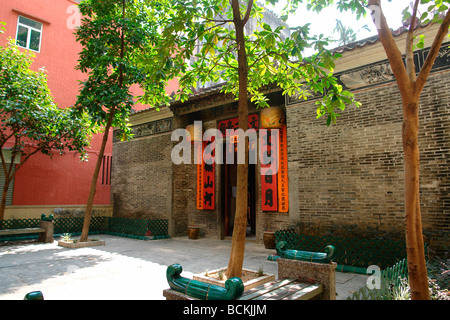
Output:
(272, 118)
(194, 135)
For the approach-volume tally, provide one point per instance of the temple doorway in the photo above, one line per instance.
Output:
(229, 188)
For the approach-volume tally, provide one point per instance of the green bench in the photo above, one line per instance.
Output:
(45, 230)
(182, 288)
(10, 232)
(286, 288)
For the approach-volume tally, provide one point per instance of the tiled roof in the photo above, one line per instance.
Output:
(373, 39)
(204, 92)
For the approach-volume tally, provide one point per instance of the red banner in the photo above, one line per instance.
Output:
(199, 176)
(208, 176)
(269, 188)
(283, 193)
(223, 125)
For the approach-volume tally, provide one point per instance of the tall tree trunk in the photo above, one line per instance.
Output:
(417, 269)
(236, 261)
(90, 202)
(410, 88)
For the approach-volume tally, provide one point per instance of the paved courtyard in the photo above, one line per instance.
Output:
(124, 268)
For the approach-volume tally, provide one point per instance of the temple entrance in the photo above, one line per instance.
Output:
(229, 187)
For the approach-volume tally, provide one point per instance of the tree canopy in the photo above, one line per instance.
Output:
(30, 121)
(202, 32)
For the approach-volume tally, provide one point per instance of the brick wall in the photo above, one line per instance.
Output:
(185, 210)
(142, 178)
(351, 174)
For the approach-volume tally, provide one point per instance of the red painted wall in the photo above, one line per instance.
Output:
(62, 180)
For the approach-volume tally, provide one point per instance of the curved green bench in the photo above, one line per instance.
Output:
(309, 256)
(234, 287)
(35, 295)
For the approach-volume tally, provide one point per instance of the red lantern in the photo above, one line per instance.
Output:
(272, 118)
(192, 135)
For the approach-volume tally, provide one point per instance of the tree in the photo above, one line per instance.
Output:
(346, 34)
(247, 61)
(410, 86)
(117, 39)
(30, 122)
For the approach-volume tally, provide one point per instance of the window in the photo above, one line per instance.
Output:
(29, 34)
(106, 170)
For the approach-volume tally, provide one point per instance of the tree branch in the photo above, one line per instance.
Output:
(393, 53)
(434, 50)
(3, 162)
(410, 65)
(247, 13)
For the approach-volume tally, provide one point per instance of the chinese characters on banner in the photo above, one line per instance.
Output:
(199, 156)
(253, 123)
(234, 124)
(283, 194)
(274, 186)
(269, 190)
(209, 184)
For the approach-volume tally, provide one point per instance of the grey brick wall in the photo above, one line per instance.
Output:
(351, 174)
(346, 178)
(142, 178)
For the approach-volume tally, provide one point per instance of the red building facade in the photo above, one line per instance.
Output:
(47, 27)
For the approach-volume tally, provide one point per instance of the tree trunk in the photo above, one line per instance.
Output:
(90, 202)
(240, 221)
(417, 269)
(410, 88)
(3, 201)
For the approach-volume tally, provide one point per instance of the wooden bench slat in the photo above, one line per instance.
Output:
(284, 291)
(263, 289)
(306, 293)
(21, 231)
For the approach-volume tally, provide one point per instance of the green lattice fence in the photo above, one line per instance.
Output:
(19, 223)
(391, 279)
(74, 225)
(134, 228)
(158, 227)
(349, 251)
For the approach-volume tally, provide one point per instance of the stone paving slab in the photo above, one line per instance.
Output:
(124, 268)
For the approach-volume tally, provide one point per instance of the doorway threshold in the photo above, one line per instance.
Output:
(249, 238)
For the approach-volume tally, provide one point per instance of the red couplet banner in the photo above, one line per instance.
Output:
(209, 184)
(199, 175)
(283, 193)
(269, 188)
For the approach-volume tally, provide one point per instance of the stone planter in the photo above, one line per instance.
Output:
(247, 284)
(269, 240)
(193, 232)
(72, 245)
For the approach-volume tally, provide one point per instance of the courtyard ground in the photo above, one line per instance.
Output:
(125, 269)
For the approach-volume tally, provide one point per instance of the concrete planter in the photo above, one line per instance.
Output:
(73, 245)
(247, 284)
